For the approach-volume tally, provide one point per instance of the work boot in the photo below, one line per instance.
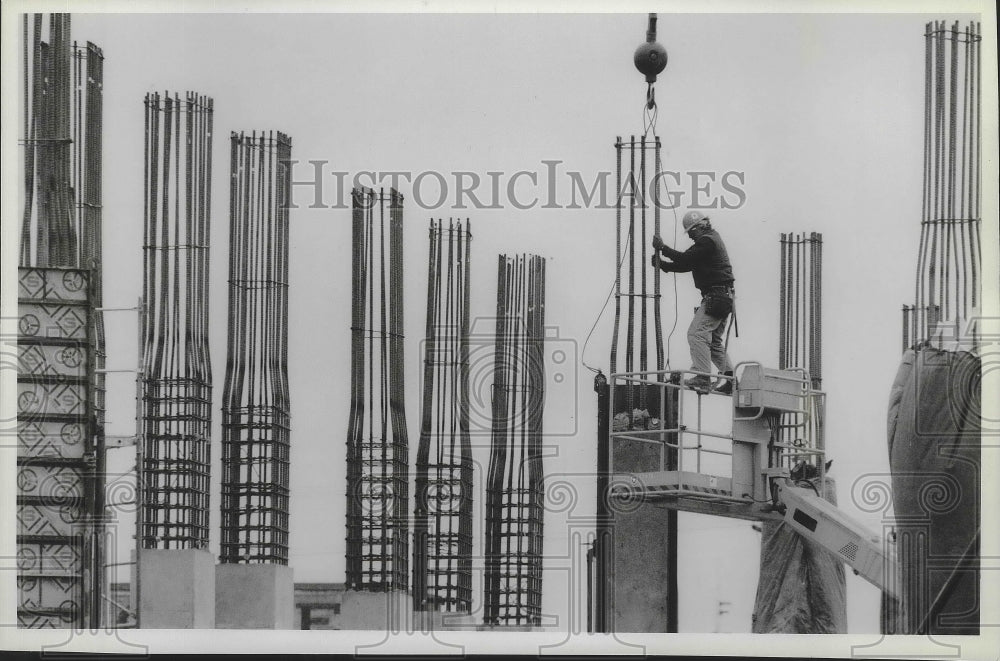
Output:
(725, 387)
(699, 383)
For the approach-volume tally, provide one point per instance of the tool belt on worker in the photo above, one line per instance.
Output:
(717, 301)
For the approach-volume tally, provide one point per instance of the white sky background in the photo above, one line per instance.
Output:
(824, 114)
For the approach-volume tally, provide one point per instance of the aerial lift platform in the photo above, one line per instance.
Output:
(767, 466)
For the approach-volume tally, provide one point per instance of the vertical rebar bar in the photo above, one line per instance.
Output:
(657, 321)
(782, 310)
(644, 196)
(618, 255)
(630, 325)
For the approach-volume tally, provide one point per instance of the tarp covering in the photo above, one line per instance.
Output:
(801, 587)
(934, 456)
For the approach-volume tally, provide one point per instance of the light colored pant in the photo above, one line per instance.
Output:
(706, 337)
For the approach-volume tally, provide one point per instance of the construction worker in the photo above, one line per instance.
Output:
(708, 262)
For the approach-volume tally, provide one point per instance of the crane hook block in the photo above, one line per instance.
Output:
(650, 57)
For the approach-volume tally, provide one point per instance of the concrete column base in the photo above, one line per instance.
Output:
(254, 597)
(176, 589)
(361, 610)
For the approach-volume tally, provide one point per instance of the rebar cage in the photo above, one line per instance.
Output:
(637, 198)
(377, 448)
(514, 490)
(800, 339)
(63, 137)
(442, 546)
(947, 279)
(174, 449)
(255, 416)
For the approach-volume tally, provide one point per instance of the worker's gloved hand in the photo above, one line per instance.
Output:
(657, 242)
(661, 263)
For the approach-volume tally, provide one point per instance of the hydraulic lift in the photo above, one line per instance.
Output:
(767, 476)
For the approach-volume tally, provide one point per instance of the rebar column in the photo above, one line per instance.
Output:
(60, 400)
(947, 278)
(800, 304)
(255, 415)
(800, 336)
(442, 536)
(174, 455)
(377, 449)
(514, 489)
(63, 87)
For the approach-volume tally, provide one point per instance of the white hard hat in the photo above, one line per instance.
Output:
(692, 218)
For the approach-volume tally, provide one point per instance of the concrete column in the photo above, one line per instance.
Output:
(176, 589)
(636, 565)
(363, 610)
(254, 597)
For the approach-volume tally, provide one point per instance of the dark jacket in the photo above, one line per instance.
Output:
(707, 260)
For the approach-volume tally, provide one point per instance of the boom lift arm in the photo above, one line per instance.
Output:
(823, 523)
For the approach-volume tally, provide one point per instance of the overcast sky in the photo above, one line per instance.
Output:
(821, 114)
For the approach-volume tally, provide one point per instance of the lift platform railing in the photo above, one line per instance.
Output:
(779, 403)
